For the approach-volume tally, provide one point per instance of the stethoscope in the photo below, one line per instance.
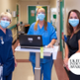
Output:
(2, 42)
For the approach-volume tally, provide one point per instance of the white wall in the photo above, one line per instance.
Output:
(53, 3)
(53, 7)
(69, 5)
(8, 4)
(24, 8)
(11, 5)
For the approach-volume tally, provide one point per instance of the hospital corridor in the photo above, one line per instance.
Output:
(34, 38)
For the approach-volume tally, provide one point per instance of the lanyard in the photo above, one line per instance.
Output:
(41, 55)
(1, 38)
(1, 72)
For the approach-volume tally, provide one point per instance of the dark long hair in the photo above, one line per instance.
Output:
(69, 27)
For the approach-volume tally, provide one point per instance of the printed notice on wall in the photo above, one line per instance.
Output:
(32, 12)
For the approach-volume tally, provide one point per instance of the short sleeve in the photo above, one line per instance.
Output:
(78, 35)
(9, 32)
(53, 33)
(30, 31)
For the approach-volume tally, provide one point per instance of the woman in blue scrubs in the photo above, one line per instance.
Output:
(47, 31)
(7, 60)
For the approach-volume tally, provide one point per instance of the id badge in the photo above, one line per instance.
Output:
(1, 72)
(1, 38)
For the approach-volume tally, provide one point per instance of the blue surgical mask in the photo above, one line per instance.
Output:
(74, 22)
(41, 16)
(4, 24)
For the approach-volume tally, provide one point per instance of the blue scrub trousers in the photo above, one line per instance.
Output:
(46, 69)
(9, 77)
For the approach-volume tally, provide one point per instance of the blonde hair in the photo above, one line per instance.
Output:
(42, 9)
(6, 14)
(45, 23)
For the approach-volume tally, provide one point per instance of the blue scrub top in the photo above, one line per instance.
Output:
(65, 38)
(6, 54)
(47, 36)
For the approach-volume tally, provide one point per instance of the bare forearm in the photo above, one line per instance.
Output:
(53, 41)
(66, 52)
(14, 56)
(78, 51)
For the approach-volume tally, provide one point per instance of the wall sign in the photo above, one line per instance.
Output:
(32, 12)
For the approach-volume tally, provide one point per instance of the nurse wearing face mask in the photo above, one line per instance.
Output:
(73, 39)
(47, 31)
(7, 60)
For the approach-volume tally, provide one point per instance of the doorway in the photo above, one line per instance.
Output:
(32, 13)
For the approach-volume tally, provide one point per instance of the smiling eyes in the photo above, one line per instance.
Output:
(73, 18)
